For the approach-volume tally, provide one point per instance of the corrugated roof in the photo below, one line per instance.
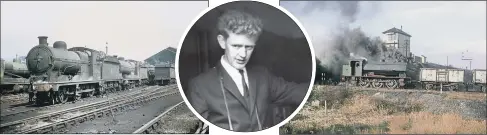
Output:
(167, 55)
(396, 30)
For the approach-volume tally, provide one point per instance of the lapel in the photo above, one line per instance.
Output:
(230, 86)
(252, 76)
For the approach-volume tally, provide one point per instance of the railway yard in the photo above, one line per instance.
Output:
(149, 109)
(82, 90)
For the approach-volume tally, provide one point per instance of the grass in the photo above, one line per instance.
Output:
(467, 96)
(428, 123)
(338, 129)
(349, 112)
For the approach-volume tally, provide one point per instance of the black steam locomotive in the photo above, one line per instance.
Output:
(59, 74)
(375, 74)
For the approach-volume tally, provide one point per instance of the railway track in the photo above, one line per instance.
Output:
(358, 88)
(8, 118)
(3, 115)
(57, 120)
(153, 125)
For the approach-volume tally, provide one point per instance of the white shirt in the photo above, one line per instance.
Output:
(237, 78)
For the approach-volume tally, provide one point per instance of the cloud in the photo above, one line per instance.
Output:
(438, 28)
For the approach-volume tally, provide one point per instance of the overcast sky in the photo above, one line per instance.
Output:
(438, 29)
(135, 30)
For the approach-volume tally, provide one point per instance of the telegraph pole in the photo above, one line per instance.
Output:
(470, 63)
(467, 59)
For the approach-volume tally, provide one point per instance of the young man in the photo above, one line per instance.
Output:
(233, 96)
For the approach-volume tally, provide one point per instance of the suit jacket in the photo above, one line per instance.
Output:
(205, 95)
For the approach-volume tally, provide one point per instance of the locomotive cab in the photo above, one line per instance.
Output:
(353, 68)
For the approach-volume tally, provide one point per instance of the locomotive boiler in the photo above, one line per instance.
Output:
(59, 73)
(131, 73)
(13, 76)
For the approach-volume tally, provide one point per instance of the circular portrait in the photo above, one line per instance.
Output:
(245, 66)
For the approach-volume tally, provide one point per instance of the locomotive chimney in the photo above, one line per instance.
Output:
(42, 40)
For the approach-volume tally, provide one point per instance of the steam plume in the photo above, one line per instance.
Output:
(328, 24)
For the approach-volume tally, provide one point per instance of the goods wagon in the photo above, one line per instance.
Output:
(479, 78)
(164, 74)
(433, 78)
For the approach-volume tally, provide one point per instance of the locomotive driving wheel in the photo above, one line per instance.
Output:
(63, 98)
(391, 84)
(377, 84)
(363, 83)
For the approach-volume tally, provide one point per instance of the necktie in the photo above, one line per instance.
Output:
(245, 88)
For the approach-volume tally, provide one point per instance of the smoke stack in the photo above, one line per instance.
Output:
(42, 40)
(401, 27)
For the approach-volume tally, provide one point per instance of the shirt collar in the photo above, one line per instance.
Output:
(229, 68)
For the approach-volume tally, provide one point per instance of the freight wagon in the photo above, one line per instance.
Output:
(164, 74)
(433, 78)
(479, 78)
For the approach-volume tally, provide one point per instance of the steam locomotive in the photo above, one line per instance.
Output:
(375, 74)
(58, 74)
(393, 75)
(13, 76)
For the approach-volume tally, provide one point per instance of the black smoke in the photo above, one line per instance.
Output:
(351, 43)
(334, 39)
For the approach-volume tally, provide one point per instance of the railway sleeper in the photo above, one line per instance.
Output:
(99, 114)
(45, 130)
(92, 116)
(60, 127)
(72, 123)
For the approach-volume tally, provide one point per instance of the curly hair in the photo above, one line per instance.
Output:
(239, 22)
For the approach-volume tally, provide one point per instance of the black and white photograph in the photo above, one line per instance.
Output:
(245, 66)
(94, 67)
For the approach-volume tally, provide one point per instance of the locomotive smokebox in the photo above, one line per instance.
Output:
(42, 40)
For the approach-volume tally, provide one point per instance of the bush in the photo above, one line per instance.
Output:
(335, 97)
(392, 107)
(337, 129)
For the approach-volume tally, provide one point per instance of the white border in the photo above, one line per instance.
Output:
(313, 58)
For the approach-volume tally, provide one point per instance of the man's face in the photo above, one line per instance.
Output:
(238, 49)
